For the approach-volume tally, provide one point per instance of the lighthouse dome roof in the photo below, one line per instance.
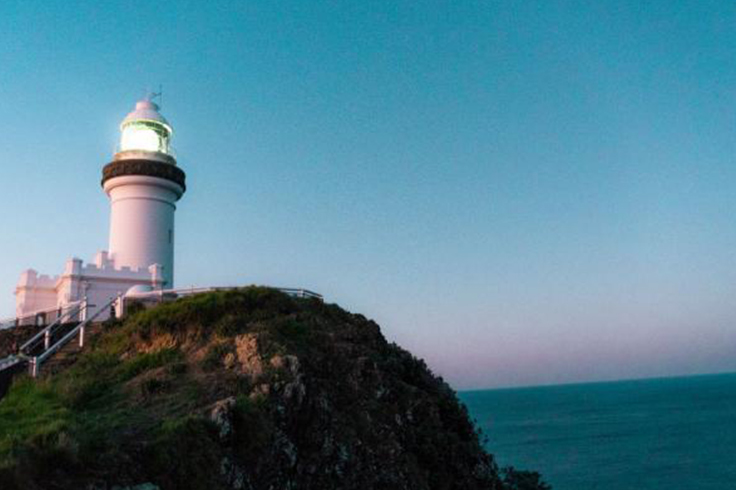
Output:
(146, 110)
(138, 289)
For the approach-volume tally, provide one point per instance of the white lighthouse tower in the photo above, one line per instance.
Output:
(144, 184)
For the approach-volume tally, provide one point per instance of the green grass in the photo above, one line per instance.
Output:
(87, 394)
(30, 413)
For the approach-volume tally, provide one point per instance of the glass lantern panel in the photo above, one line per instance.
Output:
(142, 137)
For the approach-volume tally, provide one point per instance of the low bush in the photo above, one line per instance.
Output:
(184, 453)
(147, 361)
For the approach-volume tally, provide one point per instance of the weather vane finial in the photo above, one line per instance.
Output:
(151, 95)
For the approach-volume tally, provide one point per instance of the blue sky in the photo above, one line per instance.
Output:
(519, 192)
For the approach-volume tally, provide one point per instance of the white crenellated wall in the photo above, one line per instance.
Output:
(35, 292)
(99, 282)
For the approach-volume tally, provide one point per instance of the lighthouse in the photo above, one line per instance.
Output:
(144, 183)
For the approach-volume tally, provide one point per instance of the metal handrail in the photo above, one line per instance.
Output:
(79, 305)
(46, 333)
(38, 360)
(9, 361)
(298, 292)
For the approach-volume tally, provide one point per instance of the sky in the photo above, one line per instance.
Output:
(520, 193)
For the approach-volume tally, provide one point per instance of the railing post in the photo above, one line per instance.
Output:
(83, 310)
(120, 305)
(34, 367)
(81, 336)
(46, 339)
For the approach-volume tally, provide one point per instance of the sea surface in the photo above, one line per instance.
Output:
(670, 433)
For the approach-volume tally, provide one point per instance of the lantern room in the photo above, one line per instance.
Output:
(145, 129)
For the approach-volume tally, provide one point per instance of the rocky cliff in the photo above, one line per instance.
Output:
(247, 389)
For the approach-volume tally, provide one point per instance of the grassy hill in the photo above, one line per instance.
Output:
(246, 389)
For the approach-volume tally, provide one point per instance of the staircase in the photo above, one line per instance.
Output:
(53, 346)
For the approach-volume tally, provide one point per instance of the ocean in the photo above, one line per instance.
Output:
(656, 434)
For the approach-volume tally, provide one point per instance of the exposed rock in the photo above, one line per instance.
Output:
(143, 486)
(160, 342)
(293, 390)
(233, 475)
(221, 415)
(246, 347)
(229, 360)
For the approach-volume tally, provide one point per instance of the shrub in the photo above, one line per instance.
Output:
(514, 479)
(253, 429)
(215, 354)
(184, 453)
(147, 361)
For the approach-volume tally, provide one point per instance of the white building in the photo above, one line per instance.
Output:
(144, 184)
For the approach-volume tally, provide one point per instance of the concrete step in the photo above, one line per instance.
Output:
(68, 355)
